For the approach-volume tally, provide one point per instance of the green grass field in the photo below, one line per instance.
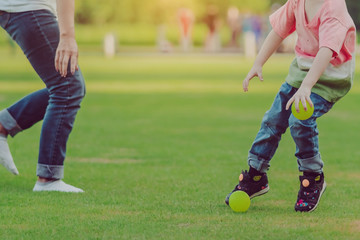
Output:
(158, 144)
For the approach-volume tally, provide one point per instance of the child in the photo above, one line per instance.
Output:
(321, 74)
(51, 48)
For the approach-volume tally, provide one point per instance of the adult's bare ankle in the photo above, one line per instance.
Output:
(3, 130)
(44, 180)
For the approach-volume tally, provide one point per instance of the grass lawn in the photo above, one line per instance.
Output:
(158, 144)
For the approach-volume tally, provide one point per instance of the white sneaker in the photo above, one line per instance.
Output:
(58, 186)
(5, 156)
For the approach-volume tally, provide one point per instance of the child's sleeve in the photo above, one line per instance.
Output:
(283, 20)
(339, 38)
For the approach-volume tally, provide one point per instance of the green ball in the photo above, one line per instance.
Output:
(239, 201)
(302, 114)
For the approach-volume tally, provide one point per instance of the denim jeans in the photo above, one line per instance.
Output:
(304, 133)
(37, 33)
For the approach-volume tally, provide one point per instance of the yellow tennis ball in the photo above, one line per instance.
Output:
(302, 114)
(239, 201)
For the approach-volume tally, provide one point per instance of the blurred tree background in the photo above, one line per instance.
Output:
(136, 22)
(157, 11)
(354, 10)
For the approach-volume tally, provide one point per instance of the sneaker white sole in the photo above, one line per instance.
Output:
(56, 186)
(265, 190)
(322, 191)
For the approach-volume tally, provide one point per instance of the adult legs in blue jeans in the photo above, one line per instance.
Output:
(37, 33)
(304, 133)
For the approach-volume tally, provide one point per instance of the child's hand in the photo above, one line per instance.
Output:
(256, 71)
(319, 65)
(303, 95)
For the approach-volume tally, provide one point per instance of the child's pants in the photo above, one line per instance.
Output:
(304, 132)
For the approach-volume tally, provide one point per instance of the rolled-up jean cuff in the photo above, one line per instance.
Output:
(9, 123)
(259, 164)
(50, 171)
(313, 164)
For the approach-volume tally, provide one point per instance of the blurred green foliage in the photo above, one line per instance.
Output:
(161, 11)
(354, 10)
(134, 21)
(155, 11)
